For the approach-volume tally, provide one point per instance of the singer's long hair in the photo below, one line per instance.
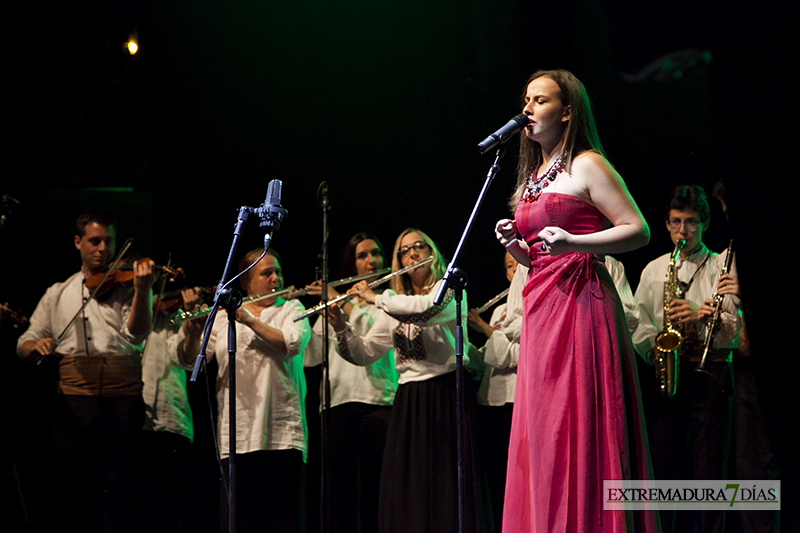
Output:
(402, 284)
(581, 133)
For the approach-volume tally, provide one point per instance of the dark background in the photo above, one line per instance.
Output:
(385, 101)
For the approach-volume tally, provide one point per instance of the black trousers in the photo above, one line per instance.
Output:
(96, 462)
(690, 437)
(270, 492)
(356, 435)
(164, 495)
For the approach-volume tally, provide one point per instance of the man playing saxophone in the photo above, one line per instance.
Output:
(690, 432)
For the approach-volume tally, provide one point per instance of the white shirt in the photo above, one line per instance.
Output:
(422, 335)
(101, 328)
(374, 384)
(703, 268)
(164, 376)
(629, 306)
(270, 387)
(501, 352)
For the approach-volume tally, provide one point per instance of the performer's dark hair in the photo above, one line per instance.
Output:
(347, 267)
(689, 197)
(96, 216)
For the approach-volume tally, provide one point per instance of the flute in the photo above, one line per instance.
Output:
(183, 316)
(319, 307)
(493, 301)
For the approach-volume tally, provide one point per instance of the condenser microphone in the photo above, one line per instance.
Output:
(270, 213)
(502, 135)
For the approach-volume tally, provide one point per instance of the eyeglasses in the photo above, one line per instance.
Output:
(418, 246)
(690, 223)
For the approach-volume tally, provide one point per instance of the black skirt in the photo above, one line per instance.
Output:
(419, 477)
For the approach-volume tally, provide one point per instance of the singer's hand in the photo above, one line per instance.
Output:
(555, 240)
(506, 232)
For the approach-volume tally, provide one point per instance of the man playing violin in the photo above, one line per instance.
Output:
(99, 411)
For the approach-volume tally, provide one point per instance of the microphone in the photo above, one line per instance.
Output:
(502, 135)
(270, 213)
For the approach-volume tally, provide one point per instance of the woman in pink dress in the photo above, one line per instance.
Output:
(577, 415)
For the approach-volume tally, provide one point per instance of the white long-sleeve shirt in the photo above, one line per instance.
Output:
(374, 384)
(703, 268)
(501, 352)
(421, 334)
(270, 386)
(102, 327)
(164, 376)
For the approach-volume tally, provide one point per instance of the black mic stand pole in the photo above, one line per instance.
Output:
(326, 380)
(271, 216)
(231, 301)
(456, 279)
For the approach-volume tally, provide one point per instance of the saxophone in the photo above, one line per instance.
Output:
(669, 340)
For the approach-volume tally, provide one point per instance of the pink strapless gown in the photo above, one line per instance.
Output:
(577, 413)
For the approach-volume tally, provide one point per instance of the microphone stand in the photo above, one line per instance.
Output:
(326, 379)
(456, 279)
(230, 300)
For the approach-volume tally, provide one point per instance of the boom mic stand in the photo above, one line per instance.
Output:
(456, 279)
(270, 214)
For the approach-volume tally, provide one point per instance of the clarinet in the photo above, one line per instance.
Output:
(714, 321)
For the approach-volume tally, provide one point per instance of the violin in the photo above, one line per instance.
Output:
(122, 276)
(15, 318)
(172, 301)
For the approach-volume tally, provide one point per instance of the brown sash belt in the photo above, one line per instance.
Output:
(100, 375)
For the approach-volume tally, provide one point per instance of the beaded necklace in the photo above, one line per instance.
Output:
(534, 187)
